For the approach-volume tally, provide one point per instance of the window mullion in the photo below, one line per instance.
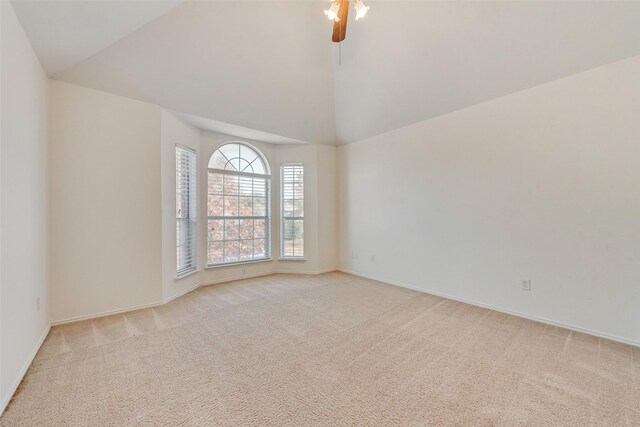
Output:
(292, 210)
(245, 232)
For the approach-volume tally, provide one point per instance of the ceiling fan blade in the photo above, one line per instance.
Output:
(340, 27)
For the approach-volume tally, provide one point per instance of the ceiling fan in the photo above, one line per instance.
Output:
(338, 12)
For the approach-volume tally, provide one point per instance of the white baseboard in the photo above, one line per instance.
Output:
(16, 382)
(179, 294)
(23, 371)
(311, 273)
(503, 310)
(103, 313)
(234, 278)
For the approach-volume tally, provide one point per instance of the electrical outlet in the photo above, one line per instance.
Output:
(526, 285)
(372, 258)
(38, 304)
(354, 255)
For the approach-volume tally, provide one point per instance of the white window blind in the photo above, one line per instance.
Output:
(292, 227)
(238, 206)
(186, 209)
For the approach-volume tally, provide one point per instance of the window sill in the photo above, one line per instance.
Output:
(235, 264)
(292, 259)
(187, 274)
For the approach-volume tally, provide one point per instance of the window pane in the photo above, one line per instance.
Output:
(231, 206)
(230, 152)
(234, 164)
(215, 183)
(231, 229)
(182, 210)
(246, 229)
(298, 242)
(184, 229)
(259, 248)
(230, 184)
(287, 248)
(260, 228)
(237, 157)
(289, 229)
(259, 187)
(248, 154)
(292, 226)
(245, 206)
(215, 252)
(217, 161)
(215, 205)
(231, 250)
(245, 186)
(259, 206)
(216, 230)
(246, 249)
(287, 208)
(240, 204)
(186, 209)
(258, 167)
(293, 243)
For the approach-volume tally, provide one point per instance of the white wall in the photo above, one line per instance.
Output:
(2, 398)
(320, 205)
(174, 132)
(113, 204)
(23, 202)
(327, 194)
(543, 184)
(106, 229)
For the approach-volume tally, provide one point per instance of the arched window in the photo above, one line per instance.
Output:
(238, 205)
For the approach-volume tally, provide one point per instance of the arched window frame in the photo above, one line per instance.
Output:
(238, 205)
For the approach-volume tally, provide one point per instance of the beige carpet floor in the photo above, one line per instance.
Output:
(324, 350)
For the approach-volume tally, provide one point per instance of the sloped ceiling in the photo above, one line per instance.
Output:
(64, 33)
(411, 61)
(262, 65)
(269, 66)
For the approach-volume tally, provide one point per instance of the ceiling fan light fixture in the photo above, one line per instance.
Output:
(332, 12)
(361, 9)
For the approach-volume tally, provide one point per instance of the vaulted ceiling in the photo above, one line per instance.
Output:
(269, 67)
(64, 33)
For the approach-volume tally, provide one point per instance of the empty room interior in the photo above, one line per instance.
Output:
(319, 213)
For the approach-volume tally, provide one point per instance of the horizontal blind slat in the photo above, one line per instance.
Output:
(186, 206)
(292, 211)
(237, 203)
